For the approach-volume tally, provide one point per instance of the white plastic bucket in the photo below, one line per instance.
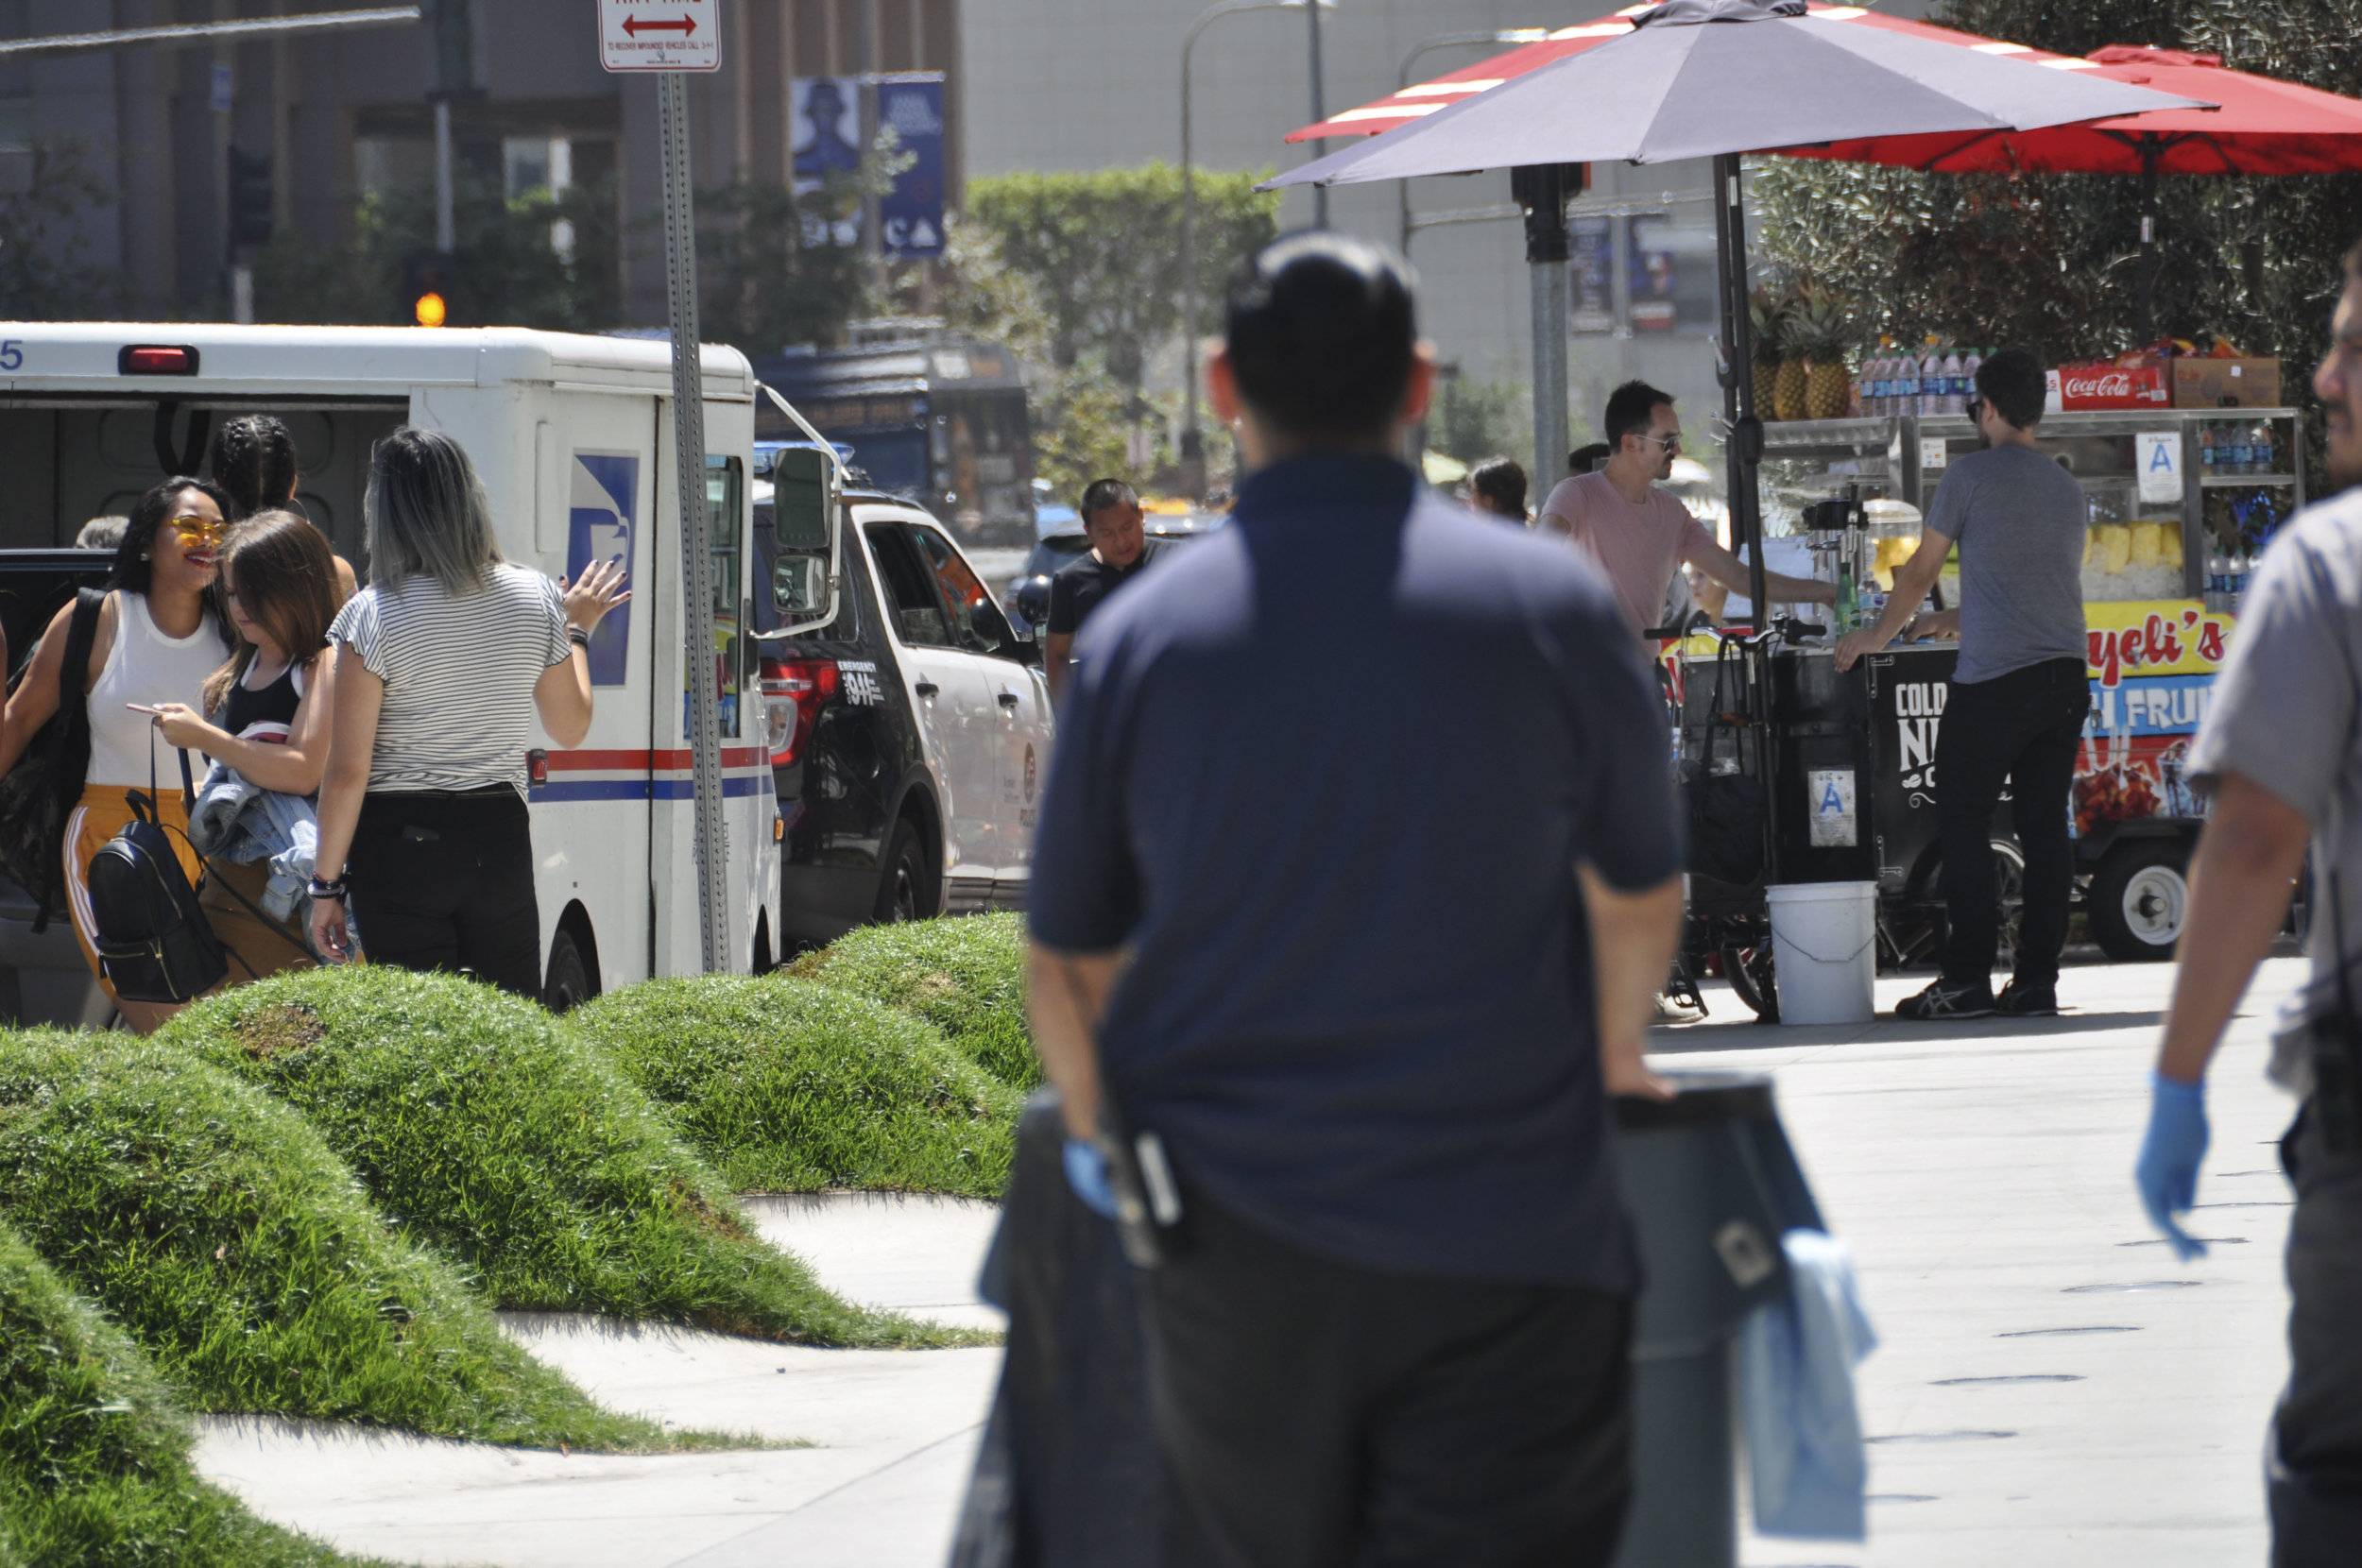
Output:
(1825, 950)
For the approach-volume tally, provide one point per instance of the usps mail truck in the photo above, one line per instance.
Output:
(574, 437)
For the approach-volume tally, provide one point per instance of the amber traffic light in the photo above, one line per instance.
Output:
(427, 286)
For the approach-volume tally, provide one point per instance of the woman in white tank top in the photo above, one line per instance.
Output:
(159, 634)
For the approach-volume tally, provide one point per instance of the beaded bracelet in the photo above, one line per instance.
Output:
(318, 889)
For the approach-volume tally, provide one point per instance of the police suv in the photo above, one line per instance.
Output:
(910, 734)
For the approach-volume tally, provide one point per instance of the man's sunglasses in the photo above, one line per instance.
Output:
(1670, 443)
(196, 530)
(1975, 409)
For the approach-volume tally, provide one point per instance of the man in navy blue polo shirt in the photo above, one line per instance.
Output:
(1357, 875)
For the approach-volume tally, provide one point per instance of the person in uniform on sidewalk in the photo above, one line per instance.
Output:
(1393, 1323)
(1639, 534)
(1121, 550)
(2282, 755)
(2018, 698)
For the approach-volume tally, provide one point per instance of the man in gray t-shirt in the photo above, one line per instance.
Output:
(2015, 712)
(2280, 755)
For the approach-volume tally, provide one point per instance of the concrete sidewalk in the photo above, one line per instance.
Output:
(2053, 1387)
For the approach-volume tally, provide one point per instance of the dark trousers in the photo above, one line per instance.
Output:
(2315, 1463)
(2021, 729)
(1310, 1414)
(445, 881)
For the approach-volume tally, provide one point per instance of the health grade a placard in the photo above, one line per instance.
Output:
(661, 35)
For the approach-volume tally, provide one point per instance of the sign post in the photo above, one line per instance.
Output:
(670, 37)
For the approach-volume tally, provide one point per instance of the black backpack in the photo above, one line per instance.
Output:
(153, 939)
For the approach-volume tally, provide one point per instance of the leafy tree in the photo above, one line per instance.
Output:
(45, 272)
(2050, 261)
(1103, 252)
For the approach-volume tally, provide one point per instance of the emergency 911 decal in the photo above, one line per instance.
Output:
(857, 682)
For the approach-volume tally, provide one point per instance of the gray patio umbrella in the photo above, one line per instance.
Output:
(1699, 79)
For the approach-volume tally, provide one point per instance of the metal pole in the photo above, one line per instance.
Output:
(1550, 305)
(2149, 240)
(1739, 391)
(1450, 41)
(688, 443)
(1192, 441)
(445, 240)
(1320, 193)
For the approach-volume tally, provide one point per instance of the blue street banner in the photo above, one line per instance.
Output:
(910, 216)
(824, 133)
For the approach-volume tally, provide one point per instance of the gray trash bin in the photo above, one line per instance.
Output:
(1710, 1184)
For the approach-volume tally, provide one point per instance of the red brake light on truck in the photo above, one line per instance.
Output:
(156, 359)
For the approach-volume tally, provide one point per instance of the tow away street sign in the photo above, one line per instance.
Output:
(661, 35)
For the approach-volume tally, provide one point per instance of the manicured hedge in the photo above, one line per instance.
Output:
(495, 1134)
(966, 975)
(243, 1258)
(788, 1086)
(95, 1467)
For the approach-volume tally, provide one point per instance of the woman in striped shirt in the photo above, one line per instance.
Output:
(441, 664)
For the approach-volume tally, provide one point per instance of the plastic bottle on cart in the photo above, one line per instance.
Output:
(2263, 446)
(2206, 448)
(1931, 380)
(1848, 606)
(1955, 401)
(1971, 363)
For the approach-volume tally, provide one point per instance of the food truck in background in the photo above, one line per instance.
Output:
(2182, 502)
(932, 417)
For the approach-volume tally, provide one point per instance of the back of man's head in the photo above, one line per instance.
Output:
(2012, 381)
(1321, 335)
(1101, 494)
(1583, 459)
(1630, 407)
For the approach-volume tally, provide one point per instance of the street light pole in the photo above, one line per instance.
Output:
(1450, 41)
(1192, 441)
(1320, 193)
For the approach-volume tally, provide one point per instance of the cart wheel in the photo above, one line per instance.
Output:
(2009, 878)
(2139, 898)
(1749, 970)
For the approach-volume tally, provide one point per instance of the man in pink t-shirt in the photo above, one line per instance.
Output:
(1640, 536)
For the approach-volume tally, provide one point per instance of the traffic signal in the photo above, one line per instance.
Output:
(249, 197)
(427, 279)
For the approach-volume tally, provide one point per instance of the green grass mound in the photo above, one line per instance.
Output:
(495, 1134)
(240, 1253)
(95, 1467)
(966, 975)
(789, 1086)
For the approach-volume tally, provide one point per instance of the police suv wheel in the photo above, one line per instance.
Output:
(905, 892)
(2139, 899)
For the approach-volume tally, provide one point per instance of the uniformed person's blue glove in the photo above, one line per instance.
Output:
(2167, 1172)
(1087, 1173)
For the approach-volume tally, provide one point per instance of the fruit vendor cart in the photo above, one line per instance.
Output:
(1836, 774)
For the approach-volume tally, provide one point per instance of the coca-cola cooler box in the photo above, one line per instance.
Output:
(2135, 381)
(2205, 382)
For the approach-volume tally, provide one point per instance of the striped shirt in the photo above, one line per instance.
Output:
(459, 674)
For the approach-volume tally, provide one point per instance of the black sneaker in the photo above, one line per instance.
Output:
(2020, 1000)
(1941, 1001)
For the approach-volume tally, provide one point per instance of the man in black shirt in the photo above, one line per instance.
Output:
(1112, 521)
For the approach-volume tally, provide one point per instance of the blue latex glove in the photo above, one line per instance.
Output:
(1087, 1173)
(2167, 1172)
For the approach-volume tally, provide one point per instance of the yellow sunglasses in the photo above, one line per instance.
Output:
(198, 530)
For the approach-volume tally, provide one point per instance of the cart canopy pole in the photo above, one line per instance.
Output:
(1745, 448)
(2149, 239)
